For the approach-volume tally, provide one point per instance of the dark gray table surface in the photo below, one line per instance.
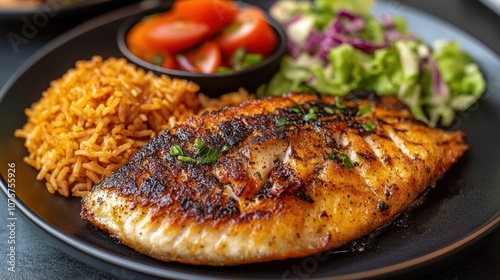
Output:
(37, 259)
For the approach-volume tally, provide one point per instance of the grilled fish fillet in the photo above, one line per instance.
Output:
(293, 176)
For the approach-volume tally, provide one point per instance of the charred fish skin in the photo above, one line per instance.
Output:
(293, 176)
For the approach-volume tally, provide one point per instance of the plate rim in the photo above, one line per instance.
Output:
(12, 13)
(121, 260)
(141, 267)
(492, 5)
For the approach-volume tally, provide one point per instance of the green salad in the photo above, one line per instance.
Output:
(337, 46)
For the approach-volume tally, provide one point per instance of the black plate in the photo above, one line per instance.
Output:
(464, 207)
(494, 5)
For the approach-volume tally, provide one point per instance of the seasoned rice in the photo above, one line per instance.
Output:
(95, 117)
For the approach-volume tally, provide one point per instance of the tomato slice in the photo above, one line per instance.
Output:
(215, 13)
(135, 38)
(169, 61)
(167, 32)
(251, 31)
(174, 34)
(207, 58)
(160, 58)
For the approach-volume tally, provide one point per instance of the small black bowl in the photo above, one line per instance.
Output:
(214, 85)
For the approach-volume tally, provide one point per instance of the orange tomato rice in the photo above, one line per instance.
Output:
(95, 117)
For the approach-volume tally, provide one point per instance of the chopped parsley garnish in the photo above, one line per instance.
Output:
(364, 110)
(311, 115)
(186, 159)
(237, 57)
(282, 122)
(296, 110)
(158, 60)
(223, 70)
(241, 59)
(329, 110)
(176, 150)
(368, 126)
(198, 144)
(338, 103)
(251, 59)
(258, 175)
(205, 154)
(225, 148)
(345, 159)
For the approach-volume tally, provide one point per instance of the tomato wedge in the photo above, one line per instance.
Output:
(215, 13)
(168, 33)
(207, 58)
(250, 30)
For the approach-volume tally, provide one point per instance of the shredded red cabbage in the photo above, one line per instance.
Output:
(393, 35)
(344, 29)
(314, 41)
(348, 14)
(294, 50)
(439, 86)
(184, 63)
(325, 46)
(387, 22)
(366, 46)
(295, 18)
(355, 25)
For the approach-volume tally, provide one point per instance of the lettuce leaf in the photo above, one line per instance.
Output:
(362, 7)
